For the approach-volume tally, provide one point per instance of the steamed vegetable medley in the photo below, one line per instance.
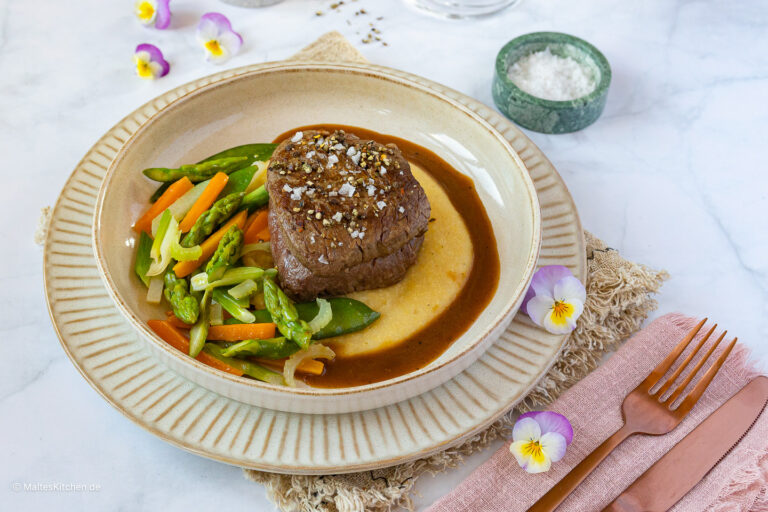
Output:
(204, 247)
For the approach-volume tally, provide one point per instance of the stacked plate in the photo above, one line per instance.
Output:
(101, 321)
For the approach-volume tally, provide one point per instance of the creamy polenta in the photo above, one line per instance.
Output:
(429, 286)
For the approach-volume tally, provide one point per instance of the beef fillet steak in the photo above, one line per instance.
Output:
(345, 214)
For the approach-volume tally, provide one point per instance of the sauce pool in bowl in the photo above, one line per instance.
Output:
(455, 277)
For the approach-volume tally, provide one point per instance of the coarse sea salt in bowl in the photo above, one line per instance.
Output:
(551, 82)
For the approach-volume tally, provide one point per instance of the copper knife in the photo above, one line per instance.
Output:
(680, 469)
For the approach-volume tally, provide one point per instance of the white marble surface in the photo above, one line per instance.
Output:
(673, 175)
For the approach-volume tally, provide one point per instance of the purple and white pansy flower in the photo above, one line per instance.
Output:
(540, 438)
(215, 34)
(149, 61)
(555, 299)
(153, 12)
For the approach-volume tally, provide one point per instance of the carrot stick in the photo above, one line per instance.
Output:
(239, 332)
(310, 366)
(176, 322)
(258, 225)
(263, 236)
(174, 338)
(175, 191)
(252, 217)
(184, 268)
(206, 199)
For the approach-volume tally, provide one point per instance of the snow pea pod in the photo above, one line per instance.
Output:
(273, 348)
(349, 315)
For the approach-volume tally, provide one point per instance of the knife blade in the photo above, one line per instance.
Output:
(680, 469)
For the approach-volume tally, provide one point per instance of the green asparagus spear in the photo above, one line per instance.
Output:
(273, 348)
(218, 213)
(199, 332)
(284, 314)
(252, 153)
(256, 199)
(184, 305)
(251, 369)
(196, 172)
(226, 254)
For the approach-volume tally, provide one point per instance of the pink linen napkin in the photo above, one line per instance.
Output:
(738, 483)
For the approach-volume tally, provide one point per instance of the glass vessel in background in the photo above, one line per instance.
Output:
(252, 3)
(462, 8)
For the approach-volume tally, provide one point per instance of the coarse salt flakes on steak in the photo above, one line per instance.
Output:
(337, 202)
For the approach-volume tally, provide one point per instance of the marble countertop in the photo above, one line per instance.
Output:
(673, 175)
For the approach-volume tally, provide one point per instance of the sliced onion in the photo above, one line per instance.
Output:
(259, 177)
(244, 289)
(217, 314)
(261, 246)
(180, 253)
(314, 351)
(170, 239)
(199, 282)
(323, 317)
(155, 292)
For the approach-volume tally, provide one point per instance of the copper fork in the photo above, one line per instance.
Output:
(646, 411)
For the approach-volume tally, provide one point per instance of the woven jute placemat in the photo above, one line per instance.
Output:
(619, 298)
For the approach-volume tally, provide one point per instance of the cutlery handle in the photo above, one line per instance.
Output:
(564, 487)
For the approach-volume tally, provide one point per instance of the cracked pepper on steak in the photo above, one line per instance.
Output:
(345, 214)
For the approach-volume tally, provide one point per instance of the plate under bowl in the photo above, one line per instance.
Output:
(258, 105)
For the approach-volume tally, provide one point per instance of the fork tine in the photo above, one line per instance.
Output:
(695, 370)
(687, 404)
(672, 378)
(666, 364)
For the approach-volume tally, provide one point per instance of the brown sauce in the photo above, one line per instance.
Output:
(426, 345)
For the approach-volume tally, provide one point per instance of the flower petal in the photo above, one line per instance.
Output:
(216, 19)
(145, 10)
(539, 308)
(538, 464)
(562, 324)
(569, 288)
(544, 280)
(152, 50)
(529, 294)
(163, 18)
(526, 430)
(517, 448)
(553, 422)
(231, 41)
(553, 446)
(151, 54)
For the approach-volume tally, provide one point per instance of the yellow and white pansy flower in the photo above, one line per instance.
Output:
(555, 299)
(540, 438)
(157, 12)
(149, 62)
(215, 34)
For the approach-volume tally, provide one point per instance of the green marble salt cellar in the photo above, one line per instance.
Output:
(547, 116)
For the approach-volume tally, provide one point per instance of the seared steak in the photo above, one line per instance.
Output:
(338, 202)
(300, 283)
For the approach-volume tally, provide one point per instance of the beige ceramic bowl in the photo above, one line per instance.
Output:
(255, 107)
